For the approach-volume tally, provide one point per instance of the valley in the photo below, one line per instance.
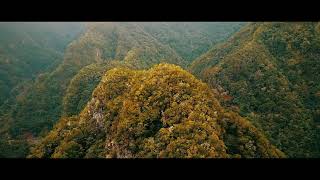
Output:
(160, 89)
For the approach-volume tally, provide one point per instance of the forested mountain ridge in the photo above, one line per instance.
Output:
(82, 85)
(161, 112)
(105, 94)
(269, 73)
(173, 35)
(99, 43)
(27, 49)
(33, 108)
(191, 39)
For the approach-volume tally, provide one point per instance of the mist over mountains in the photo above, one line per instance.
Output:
(159, 89)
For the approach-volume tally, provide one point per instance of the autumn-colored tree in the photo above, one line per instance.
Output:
(271, 70)
(164, 112)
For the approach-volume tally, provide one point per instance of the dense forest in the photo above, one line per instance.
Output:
(28, 49)
(161, 112)
(271, 73)
(123, 90)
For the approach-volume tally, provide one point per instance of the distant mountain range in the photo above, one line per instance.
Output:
(162, 112)
(87, 90)
(271, 71)
(27, 49)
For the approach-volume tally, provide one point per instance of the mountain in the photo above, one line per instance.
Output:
(40, 103)
(37, 108)
(160, 112)
(63, 88)
(191, 39)
(269, 72)
(28, 49)
(82, 85)
(177, 36)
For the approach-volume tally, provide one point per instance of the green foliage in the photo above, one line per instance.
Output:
(191, 39)
(42, 105)
(17, 148)
(28, 49)
(270, 71)
(80, 88)
(161, 112)
(82, 85)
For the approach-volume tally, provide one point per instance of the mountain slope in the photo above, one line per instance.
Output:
(269, 72)
(191, 39)
(177, 36)
(82, 85)
(40, 106)
(34, 106)
(27, 49)
(161, 112)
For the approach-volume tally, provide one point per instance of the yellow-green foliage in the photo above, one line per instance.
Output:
(101, 43)
(82, 85)
(64, 88)
(160, 112)
(271, 71)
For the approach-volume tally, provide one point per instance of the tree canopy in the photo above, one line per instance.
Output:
(160, 112)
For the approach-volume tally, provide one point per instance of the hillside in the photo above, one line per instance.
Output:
(40, 103)
(27, 49)
(37, 108)
(269, 72)
(177, 36)
(191, 39)
(82, 85)
(160, 112)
